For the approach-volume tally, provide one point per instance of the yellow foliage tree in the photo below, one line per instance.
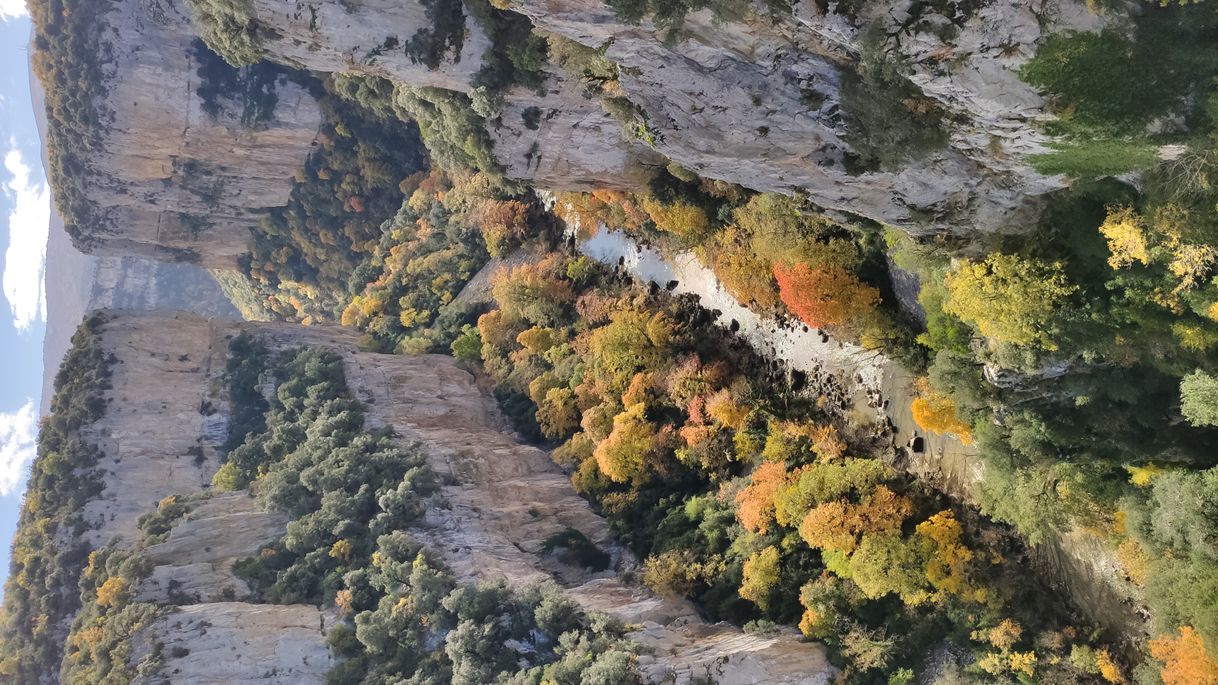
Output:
(1009, 299)
(679, 218)
(537, 339)
(623, 455)
(724, 408)
(1185, 661)
(113, 592)
(760, 576)
(1125, 232)
(933, 411)
(947, 556)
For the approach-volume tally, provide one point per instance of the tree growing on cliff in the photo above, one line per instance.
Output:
(1010, 299)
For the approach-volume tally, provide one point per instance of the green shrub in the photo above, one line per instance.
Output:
(230, 28)
(577, 548)
(1095, 158)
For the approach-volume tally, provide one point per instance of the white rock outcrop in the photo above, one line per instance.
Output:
(501, 501)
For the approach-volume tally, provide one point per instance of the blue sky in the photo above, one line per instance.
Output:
(24, 218)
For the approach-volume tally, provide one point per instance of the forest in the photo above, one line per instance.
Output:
(1074, 358)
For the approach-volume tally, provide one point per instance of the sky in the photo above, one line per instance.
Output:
(24, 219)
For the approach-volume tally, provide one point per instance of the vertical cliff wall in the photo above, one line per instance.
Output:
(173, 180)
(166, 415)
(767, 101)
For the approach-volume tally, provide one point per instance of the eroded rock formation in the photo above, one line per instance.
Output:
(760, 101)
(167, 413)
(174, 181)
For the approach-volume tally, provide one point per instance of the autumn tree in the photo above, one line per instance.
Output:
(886, 563)
(678, 573)
(725, 409)
(632, 341)
(1125, 232)
(557, 414)
(824, 482)
(681, 219)
(760, 576)
(1185, 661)
(744, 275)
(824, 296)
(504, 224)
(755, 503)
(782, 231)
(623, 455)
(1010, 299)
(936, 412)
(533, 292)
(837, 525)
(947, 556)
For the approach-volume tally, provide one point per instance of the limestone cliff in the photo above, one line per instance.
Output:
(770, 102)
(756, 101)
(175, 181)
(167, 413)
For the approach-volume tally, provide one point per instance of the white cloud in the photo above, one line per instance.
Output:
(12, 9)
(25, 258)
(18, 433)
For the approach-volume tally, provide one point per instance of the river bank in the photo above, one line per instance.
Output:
(872, 389)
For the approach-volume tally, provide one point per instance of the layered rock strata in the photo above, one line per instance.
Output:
(501, 501)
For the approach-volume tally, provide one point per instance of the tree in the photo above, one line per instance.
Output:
(113, 592)
(623, 455)
(679, 218)
(824, 296)
(755, 503)
(1010, 299)
(936, 412)
(677, 573)
(1199, 398)
(837, 525)
(760, 576)
(1185, 661)
(886, 563)
(557, 414)
(744, 275)
(504, 224)
(1125, 232)
(947, 556)
(533, 292)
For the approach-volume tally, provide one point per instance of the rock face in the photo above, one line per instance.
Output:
(233, 642)
(175, 182)
(759, 100)
(503, 499)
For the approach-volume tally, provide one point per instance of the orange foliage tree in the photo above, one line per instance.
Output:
(755, 503)
(1185, 661)
(824, 296)
(503, 223)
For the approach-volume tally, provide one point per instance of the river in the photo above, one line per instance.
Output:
(875, 387)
